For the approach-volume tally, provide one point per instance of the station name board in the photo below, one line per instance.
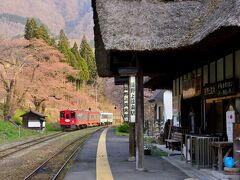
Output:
(125, 102)
(132, 99)
(221, 88)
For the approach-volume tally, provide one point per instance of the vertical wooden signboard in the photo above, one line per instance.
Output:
(132, 99)
(125, 102)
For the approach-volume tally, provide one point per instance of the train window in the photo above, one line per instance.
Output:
(104, 116)
(67, 116)
(81, 116)
(72, 114)
(62, 114)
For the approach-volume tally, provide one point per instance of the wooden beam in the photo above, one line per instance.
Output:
(121, 80)
(127, 71)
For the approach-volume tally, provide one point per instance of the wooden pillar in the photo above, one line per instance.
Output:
(132, 142)
(139, 121)
(236, 142)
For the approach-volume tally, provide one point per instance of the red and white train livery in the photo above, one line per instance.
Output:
(77, 119)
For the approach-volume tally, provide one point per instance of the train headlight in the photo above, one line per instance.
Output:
(67, 120)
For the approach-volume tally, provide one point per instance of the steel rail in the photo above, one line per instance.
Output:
(67, 161)
(29, 144)
(36, 170)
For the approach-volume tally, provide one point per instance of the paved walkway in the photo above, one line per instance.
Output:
(200, 174)
(86, 168)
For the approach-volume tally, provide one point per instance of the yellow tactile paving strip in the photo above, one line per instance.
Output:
(103, 170)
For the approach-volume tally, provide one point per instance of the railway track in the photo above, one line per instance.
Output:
(53, 166)
(14, 149)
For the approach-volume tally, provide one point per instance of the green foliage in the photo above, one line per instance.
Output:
(149, 140)
(86, 53)
(30, 29)
(157, 152)
(124, 128)
(16, 117)
(39, 31)
(80, 64)
(63, 44)
(120, 133)
(9, 132)
(42, 33)
(50, 126)
(64, 47)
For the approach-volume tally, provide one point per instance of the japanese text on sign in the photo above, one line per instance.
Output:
(125, 102)
(132, 99)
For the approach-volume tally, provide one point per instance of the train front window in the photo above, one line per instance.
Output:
(104, 116)
(67, 116)
(62, 114)
(73, 115)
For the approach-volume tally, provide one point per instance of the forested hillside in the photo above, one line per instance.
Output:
(47, 60)
(35, 75)
(41, 74)
(73, 16)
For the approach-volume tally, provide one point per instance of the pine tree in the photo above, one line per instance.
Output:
(27, 30)
(42, 33)
(63, 45)
(81, 64)
(30, 29)
(87, 54)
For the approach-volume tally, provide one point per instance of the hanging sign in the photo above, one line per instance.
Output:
(230, 119)
(132, 99)
(125, 102)
(221, 88)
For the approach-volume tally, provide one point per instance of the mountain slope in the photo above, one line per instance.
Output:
(74, 16)
(41, 82)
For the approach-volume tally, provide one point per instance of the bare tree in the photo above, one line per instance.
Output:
(12, 63)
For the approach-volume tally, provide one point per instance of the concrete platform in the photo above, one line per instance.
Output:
(171, 167)
(200, 174)
(156, 168)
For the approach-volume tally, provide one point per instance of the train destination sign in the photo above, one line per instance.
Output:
(132, 99)
(125, 102)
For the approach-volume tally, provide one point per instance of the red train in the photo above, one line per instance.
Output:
(77, 119)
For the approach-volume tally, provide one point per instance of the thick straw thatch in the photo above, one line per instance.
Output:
(154, 24)
(140, 25)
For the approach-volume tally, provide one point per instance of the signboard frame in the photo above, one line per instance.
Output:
(132, 99)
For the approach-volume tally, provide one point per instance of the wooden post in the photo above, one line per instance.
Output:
(139, 121)
(132, 142)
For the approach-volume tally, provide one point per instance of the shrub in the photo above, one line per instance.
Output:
(50, 126)
(123, 128)
(16, 117)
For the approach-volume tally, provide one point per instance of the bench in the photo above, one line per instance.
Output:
(175, 141)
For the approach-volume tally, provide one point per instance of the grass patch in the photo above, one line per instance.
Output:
(10, 132)
(117, 133)
(50, 126)
(122, 130)
(149, 140)
(157, 152)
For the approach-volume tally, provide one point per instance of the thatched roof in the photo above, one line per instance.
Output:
(157, 25)
(36, 113)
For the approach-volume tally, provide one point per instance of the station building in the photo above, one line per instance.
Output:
(189, 47)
